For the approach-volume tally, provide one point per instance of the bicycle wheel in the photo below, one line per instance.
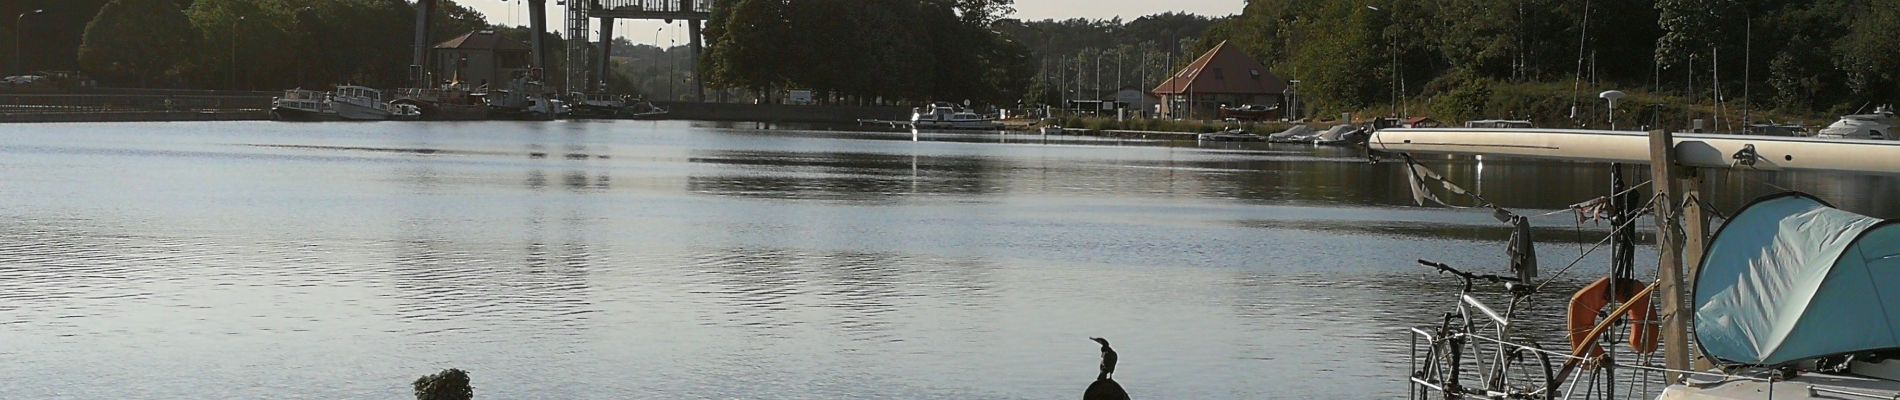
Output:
(1526, 372)
(1442, 363)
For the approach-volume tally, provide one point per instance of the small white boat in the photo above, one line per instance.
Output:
(1876, 126)
(302, 105)
(359, 103)
(1230, 135)
(946, 116)
(404, 111)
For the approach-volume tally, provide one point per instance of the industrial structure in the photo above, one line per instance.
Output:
(587, 65)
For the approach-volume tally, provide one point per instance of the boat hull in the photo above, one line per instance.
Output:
(359, 112)
(1692, 149)
(281, 113)
(961, 125)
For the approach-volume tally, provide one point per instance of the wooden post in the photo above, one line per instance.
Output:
(1695, 228)
(1662, 166)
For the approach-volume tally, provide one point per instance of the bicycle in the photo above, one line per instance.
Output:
(1507, 369)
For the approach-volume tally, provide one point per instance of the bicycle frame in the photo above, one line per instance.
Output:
(1449, 342)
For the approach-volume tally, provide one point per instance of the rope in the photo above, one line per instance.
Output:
(1606, 238)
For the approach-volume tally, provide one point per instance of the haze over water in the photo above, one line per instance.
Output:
(690, 260)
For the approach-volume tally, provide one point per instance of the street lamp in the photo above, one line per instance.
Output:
(1098, 75)
(656, 60)
(1393, 50)
(234, 63)
(19, 24)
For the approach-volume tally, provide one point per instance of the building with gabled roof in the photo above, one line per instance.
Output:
(1224, 76)
(482, 57)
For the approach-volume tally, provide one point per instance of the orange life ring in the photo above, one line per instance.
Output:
(1589, 301)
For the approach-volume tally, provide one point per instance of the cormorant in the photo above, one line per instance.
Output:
(1108, 359)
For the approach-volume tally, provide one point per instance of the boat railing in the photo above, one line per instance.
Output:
(1620, 373)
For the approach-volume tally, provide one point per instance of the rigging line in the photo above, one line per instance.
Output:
(1593, 248)
(1421, 172)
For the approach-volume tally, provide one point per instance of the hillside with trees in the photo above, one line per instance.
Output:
(866, 51)
(1536, 58)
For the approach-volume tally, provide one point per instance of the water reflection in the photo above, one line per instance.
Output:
(855, 177)
(669, 260)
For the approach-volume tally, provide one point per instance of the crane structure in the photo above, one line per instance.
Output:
(587, 66)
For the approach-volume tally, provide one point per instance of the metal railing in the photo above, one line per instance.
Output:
(654, 6)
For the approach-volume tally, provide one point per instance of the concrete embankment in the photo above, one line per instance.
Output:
(781, 112)
(130, 105)
(137, 116)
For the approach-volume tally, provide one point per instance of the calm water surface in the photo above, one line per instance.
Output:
(595, 260)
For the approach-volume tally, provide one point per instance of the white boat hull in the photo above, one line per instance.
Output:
(956, 125)
(1692, 149)
(359, 112)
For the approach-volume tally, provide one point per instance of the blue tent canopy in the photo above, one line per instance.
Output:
(1791, 278)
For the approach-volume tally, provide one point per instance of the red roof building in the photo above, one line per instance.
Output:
(1224, 76)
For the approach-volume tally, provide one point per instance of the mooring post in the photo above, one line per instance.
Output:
(1662, 167)
(1695, 228)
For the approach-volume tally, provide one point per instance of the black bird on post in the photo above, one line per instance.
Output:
(1105, 387)
(1108, 359)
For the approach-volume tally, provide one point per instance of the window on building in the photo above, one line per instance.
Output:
(1218, 75)
(1255, 72)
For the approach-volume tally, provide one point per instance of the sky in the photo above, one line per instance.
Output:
(515, 12)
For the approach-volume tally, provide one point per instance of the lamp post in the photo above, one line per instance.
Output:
(672, 64)
(19, 25)
(234, 63)
(656, 59)
(1393, 42)
(1098, 76)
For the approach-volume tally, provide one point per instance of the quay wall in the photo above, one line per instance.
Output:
(134, 106)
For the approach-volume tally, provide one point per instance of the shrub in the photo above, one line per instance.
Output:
(450, 384)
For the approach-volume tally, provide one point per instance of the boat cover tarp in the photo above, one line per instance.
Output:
(1336, 133)
(1792, 278)
(1290, 133)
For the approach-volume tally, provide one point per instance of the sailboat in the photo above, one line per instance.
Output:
(1792, 298)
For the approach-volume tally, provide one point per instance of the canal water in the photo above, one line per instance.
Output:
(614, 260)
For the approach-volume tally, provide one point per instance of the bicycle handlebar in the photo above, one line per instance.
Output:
(1468, 277)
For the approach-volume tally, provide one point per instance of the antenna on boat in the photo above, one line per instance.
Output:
(1612, 96)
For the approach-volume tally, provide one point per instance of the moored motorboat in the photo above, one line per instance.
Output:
(947, 116)
(302, 105)
(1230, 135)
(1878, 125)
(358, 103)
(595, 105)
(450, 102)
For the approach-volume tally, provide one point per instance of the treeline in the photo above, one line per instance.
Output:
(1798, 56)
(1083, 58)
(247, 44)
(867, 50)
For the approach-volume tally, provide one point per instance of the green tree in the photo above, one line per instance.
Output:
(136, 41)
(1338, 73)
(754, 41)
(242, 44)
(1869, 54)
